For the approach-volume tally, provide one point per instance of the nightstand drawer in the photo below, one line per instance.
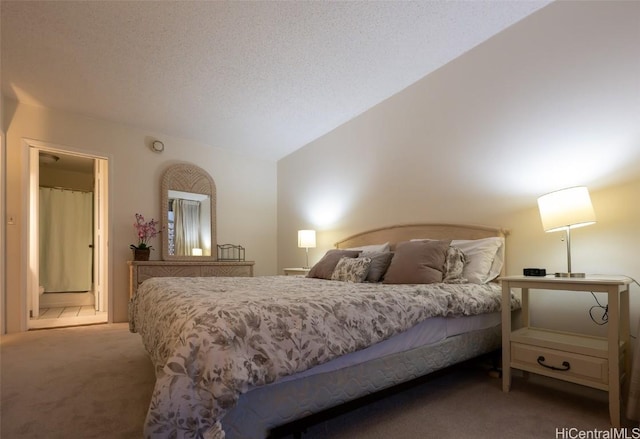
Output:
(296, 271)
(583, 369)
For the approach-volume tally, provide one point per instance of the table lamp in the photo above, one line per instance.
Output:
(566, 209)
(307, 240)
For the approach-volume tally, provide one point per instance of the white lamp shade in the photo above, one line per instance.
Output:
(306, 238)
(196, 251)
(566, 209)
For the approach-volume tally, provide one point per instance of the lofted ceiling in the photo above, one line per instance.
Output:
(258, 78)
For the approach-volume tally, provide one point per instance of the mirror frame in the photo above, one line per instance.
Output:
(187, 178)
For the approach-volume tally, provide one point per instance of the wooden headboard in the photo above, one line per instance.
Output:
(406, 232)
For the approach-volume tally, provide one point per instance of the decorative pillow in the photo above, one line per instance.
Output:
(453, 266)
(373, 248)
(351, 269)
(325, 266)
(417, 262)
(379, 263)
(485, 258)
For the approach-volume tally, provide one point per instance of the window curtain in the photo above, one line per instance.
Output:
(66, 234)
(187, 225)
(633, 402)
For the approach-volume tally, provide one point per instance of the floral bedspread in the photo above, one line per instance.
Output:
(211, 339)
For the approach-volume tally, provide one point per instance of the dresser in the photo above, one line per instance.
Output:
(139, 271)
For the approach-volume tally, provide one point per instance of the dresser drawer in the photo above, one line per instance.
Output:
(582, 369)
(139, 271)
(147, 272)
(228, 271)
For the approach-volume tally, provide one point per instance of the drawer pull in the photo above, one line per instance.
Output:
(565, 364)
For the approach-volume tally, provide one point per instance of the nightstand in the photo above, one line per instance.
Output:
(599, 362)
(296, 271)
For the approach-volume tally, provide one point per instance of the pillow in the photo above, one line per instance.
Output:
(325, 266)
(379, 263)
(485, 258)
(351, 269)
(453, 266)
(417, 262)
(373, 248)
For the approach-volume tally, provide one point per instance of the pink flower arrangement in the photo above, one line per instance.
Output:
(145, 230)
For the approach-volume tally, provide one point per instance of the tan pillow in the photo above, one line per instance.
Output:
(325, 266)
(417, 262)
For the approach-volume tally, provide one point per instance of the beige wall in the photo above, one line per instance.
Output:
(565, 77)
(246, 192)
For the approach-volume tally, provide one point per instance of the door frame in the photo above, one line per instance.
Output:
(100, 236)
(3, 231)
(31, 150)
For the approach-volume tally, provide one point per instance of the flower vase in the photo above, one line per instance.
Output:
(141, 254)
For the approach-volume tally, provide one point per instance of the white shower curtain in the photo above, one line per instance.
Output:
(66, 234)
(187, 225)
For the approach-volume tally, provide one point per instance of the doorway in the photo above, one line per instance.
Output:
(68, 228)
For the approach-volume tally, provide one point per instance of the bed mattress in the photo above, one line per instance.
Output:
(284, 402)
(424, 333)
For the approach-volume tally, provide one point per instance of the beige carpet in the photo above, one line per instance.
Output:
(96, 382)
(83, 382)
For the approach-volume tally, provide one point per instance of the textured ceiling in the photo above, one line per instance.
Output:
(259, 78)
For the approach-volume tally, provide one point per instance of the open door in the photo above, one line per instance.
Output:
(77, 169)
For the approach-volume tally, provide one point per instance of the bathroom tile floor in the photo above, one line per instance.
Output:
(58, 317)
(67, 311)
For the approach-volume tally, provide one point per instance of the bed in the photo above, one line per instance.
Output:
(236, 357)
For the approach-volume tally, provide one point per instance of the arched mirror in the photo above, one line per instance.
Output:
(188, 214)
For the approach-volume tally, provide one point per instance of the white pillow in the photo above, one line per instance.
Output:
(373, 248)
(485, 258)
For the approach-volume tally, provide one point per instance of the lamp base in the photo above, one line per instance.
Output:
(570, 275)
